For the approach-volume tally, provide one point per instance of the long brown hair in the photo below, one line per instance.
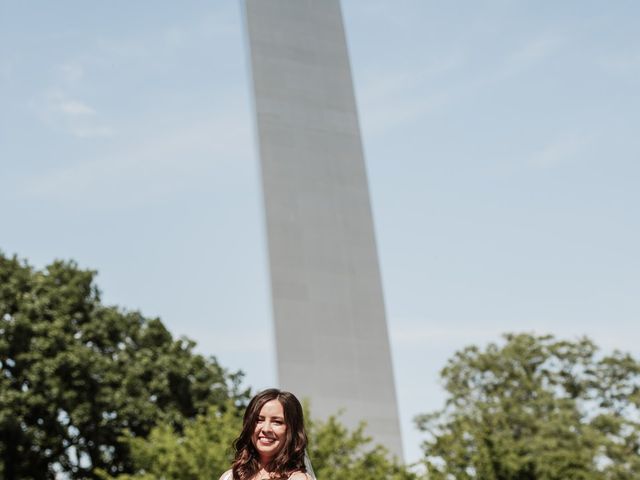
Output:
(290, 458)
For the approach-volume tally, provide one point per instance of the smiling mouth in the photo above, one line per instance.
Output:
(266, 440)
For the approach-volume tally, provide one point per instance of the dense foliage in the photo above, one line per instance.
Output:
(93, 391)
(76, 375)
(342, 454)
(536, 408)
(203, 451)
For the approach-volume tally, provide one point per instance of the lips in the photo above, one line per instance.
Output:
(266, 440)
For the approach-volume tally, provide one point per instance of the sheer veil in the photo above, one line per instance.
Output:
(307, 465)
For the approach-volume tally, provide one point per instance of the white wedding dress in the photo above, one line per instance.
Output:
(307, 464)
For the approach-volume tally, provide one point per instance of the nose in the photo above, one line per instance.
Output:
(266, 426)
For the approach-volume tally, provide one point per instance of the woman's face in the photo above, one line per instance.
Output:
(269, 434)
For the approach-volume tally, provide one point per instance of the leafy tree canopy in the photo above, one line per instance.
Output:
(338, 453)
(202, 451)
(76, 375)
(536, 408)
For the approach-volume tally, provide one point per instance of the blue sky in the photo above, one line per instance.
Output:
(502, 152)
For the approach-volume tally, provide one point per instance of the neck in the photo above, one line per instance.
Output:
(264, 463)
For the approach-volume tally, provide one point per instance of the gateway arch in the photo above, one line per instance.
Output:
(328, 310)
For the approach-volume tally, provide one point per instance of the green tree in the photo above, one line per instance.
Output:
(536, 408)
(202, 451)
(338, 453)
(75, 375)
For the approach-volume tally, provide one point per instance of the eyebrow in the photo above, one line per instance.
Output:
(274, 418)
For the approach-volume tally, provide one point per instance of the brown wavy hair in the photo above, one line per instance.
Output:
(290, 458)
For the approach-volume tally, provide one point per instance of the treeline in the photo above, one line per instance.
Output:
(89, 391)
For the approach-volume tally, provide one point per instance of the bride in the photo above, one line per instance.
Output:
(272, 443)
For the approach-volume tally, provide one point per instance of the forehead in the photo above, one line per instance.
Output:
(273, 408)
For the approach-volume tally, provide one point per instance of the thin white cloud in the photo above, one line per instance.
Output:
(388, 101)
(61, 112)
(533, 52)
(176, 36)
(392, 99)
(74, 107)
(391, 84)
(231, 341)
(172, 38)
(558, 152)
(157, 164)
(384, 114)
(425, 334)
(122, 48)
(521, 59)
(91, 131)
(71, 72)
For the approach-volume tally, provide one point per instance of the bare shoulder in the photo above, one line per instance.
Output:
(299, 476)
(226, 475)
